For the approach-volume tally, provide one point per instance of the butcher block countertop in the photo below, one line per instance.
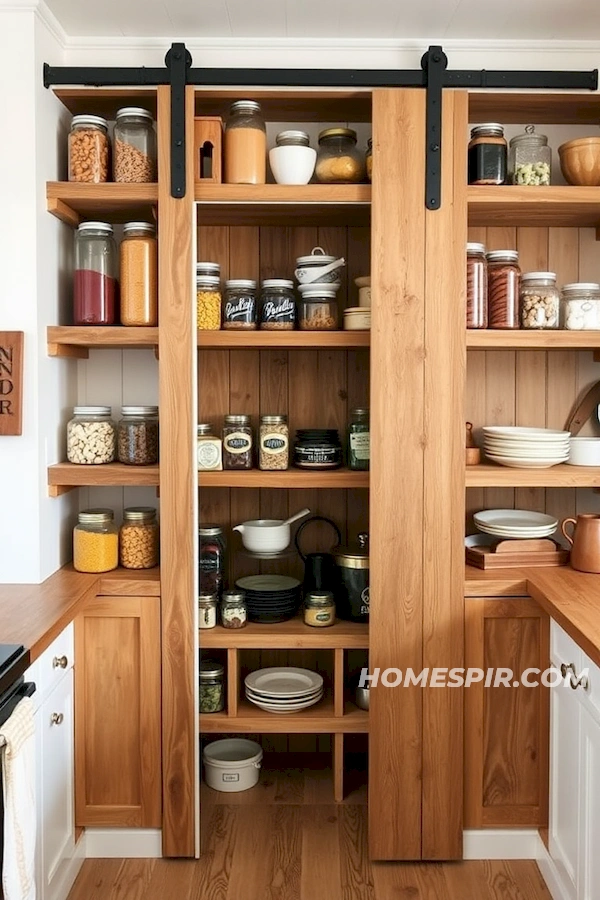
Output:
(34, 614)
(571, 598)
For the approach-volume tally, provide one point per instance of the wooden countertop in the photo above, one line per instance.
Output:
(34, 614)
(571, 598)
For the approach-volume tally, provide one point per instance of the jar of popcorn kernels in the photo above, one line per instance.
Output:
(138, 538)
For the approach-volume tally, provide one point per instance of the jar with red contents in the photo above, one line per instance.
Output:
(95, 292)
(211, 559)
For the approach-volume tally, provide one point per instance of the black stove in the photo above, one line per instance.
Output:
(14, 661)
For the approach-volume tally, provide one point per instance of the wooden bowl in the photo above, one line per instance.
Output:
(580, 161)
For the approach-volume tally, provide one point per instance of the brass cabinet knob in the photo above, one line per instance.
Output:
(60, 662)
(57, 719)
(575, 680)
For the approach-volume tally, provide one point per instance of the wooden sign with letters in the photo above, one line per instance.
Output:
(11, 382)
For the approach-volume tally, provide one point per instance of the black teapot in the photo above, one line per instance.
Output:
(320, 570)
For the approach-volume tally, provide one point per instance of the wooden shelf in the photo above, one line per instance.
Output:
(63, 477)
(565, 108)
(71, 202)
(76, 341)
(534, 206)
(319, 719)
(290, 479)
(286, 636)
(275, 340)
(490, 475)
(104, 101)
(292, 105)
(530, 339)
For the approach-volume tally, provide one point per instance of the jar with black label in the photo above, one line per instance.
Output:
(237, 442)
(239, 305)
(317, 448)
(211, 559)
(277, 305)
(487, 154)
(353, 591)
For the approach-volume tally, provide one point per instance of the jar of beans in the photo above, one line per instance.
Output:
(539, 300)
(277, 305)
(95, 541)
(237, 443)
(208, 302)
(134, 151)
(88, 150)
(91, 436)
(139, 275)
(504, 276)
(207, 610)
(233, 609)
(95, 275)
(138, 436)
(239, 310)
(138, 538)
(477, 286)
(274, 443)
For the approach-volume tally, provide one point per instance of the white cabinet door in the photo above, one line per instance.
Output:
(565, 722)
(589, 870)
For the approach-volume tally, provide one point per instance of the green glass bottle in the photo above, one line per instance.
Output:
(359, 440)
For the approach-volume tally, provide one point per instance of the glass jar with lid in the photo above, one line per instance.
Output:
(234, 613)
(319, 609)
(88, 150)
(487, 154)
(134, 150)
(212, 269)
(539, 300)
(359, 440)
(138, 538)
(292, 159)
(207, 610)
(504, 277)
(212, 549)
(208, 302)
(274, 444)
(277, 305)
(581, 306)
(245, 150)
(369, 159)
(209, 449)
(212, 686)
(139, 275)
(339, 161)
(239, 308)
(237, 443)
(529, 158)
(318, 307)
(137, 436)
(477, 286)
(95, 275)
(95, 541)
(91, 436)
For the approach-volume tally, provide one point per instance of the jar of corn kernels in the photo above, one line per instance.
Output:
(208, 302)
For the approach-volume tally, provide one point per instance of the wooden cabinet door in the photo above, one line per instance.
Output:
(117, 713)
(506, 728)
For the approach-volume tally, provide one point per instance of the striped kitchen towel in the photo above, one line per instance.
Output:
(18, 777)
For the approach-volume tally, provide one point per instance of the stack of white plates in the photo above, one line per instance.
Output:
(515, 523)
(283, 689)
(526, 448)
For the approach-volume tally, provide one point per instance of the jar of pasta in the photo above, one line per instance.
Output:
(88, 150)
(208, 302)
(95, 541)
(134, 152)
(138, 538)
(139, 274)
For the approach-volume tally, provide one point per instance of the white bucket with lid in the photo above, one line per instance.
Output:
(232, 764)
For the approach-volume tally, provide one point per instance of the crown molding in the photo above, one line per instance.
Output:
(47, 17)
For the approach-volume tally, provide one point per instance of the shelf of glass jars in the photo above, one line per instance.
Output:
(63, 477)
(491, 475)
(287, 479)
(72, 202)
(290, 635)
(77, 340)
(281, 339)
(532, 339)
(320, 719)
(556, 205)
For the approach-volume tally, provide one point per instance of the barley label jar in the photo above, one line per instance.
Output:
(274, 443)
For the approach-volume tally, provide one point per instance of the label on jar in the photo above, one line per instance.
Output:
(273, 443)
(237, 442)
(360, 444)
(323, 617)
(283, 309)
(209, 455)
(243, 310)
(364, 602)
(207, 617)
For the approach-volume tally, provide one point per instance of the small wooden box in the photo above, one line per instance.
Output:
(208, 149)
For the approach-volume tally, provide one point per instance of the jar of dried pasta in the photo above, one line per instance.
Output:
(139, 274)
(95, 541)
(318, 308)
(208, 302)
(134, 153)
(273, 443)
(138, 538)
(88, 150)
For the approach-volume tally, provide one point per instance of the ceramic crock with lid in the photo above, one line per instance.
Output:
(353, 590)
(318, 267)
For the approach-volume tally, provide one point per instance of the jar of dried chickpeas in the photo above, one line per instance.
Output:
(208, 302)
(139, 538)
(95, 541)
(139, 274)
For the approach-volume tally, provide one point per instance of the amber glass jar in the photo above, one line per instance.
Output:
(338, 159)
(504, 278)
(487, 154)
(139, 274)
(477, 287)
(245, 144)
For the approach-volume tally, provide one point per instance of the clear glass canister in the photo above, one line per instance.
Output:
(504, 277)
(319, 609)
(95, 276)
(359, 440)
(208, 302)
(209, 449)
(487, 154)
(539, 300)
(134, 150)
(91, 436)
(138, 538)
(207, 610)
(318, 309)
(139, 274)
(239, 309)
(213, 269)
(245, 144)
(95, 541)
(234, 613)
(88, 150)
(338, 159)
(212, 549)
(212, 686)
(369, 159)
(477, 286)
(277, 305)
(137, 438)
(529, 158)
(237, 443)
(581, 306)
(274, 443)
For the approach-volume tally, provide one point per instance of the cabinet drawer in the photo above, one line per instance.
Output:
(563, 648)
(54, 662)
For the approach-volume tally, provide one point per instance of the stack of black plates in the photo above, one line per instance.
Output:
(270, 598)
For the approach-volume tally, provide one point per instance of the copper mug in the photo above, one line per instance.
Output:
(585, 542)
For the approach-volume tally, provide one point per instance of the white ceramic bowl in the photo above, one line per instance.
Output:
(292, 164)
(585, 451)
(264, 535)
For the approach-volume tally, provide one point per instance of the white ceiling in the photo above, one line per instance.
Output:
(332, 19)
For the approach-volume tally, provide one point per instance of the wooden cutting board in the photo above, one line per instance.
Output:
(515, 554)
